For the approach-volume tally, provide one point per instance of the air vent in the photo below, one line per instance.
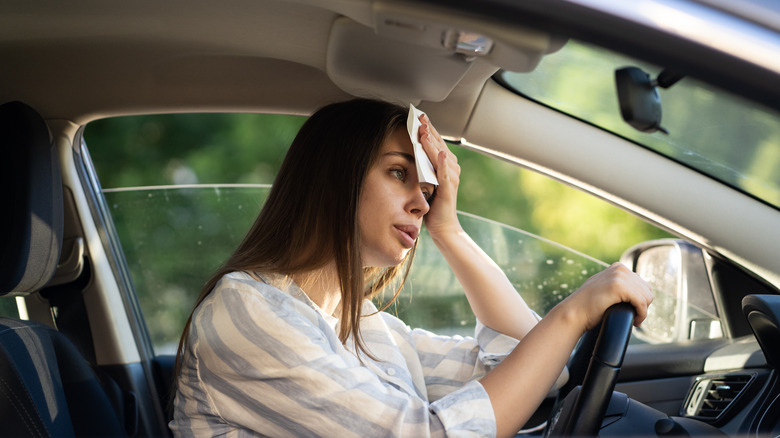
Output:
(711, 396)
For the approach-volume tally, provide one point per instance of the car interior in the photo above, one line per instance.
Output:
(49, 387)
(77, 360)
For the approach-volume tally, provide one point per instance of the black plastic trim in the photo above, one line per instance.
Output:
(657, 361)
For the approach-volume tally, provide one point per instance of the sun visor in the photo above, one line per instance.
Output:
(509, 47)
(365, 64)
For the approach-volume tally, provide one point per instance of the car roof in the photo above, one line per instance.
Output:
(94, 59)
(91, 59)
(158, 49)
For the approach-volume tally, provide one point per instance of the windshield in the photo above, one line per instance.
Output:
(720, 135)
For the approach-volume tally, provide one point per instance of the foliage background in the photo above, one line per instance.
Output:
(174, 235)
(249, 148)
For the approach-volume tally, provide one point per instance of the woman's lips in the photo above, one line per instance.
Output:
(408, 234)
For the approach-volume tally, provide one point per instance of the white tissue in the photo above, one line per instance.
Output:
(425, 172)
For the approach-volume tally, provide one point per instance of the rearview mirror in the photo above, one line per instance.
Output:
(684, 306)
(640, 102)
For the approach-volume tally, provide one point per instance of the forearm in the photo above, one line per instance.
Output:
(491, 295)
(520, 383)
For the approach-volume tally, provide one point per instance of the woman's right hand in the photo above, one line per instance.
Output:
(518, 385)
(613, 285)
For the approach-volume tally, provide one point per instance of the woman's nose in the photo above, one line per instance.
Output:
(419, 203)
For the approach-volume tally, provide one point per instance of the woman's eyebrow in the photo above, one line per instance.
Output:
(404, 155)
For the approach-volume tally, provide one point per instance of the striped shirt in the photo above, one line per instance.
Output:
(264, 360)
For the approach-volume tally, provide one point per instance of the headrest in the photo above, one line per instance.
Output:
(31, 221)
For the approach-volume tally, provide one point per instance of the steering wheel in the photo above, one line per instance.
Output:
(582, 416)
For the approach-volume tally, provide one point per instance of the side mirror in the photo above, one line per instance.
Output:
(684, 305)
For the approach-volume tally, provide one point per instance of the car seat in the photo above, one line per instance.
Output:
(47, 388)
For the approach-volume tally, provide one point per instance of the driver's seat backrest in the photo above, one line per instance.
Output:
(46, 387)
(32, 222)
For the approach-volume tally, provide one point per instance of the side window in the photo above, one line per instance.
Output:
(8, 307)
(183, 190)
(543, 272)
(173, 238)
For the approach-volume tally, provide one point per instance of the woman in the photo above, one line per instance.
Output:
(284, 339)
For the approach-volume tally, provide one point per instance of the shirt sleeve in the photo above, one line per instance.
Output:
(450, 362)
(262, 361)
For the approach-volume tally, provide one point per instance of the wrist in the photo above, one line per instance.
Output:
(569, 316)
(447, 235)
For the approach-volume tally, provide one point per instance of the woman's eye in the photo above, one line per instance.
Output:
(400, 174)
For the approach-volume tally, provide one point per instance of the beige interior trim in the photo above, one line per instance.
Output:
(105, 307)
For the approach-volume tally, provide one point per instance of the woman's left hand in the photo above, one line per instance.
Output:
(442, 217)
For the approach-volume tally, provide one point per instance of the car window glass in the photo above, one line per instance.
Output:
(182, 190)
(8, 307)
(543, 272)
(716, 133)
(173, 237)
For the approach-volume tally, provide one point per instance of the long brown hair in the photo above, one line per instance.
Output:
(310, 216)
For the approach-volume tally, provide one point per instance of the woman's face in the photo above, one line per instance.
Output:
(393, 204)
